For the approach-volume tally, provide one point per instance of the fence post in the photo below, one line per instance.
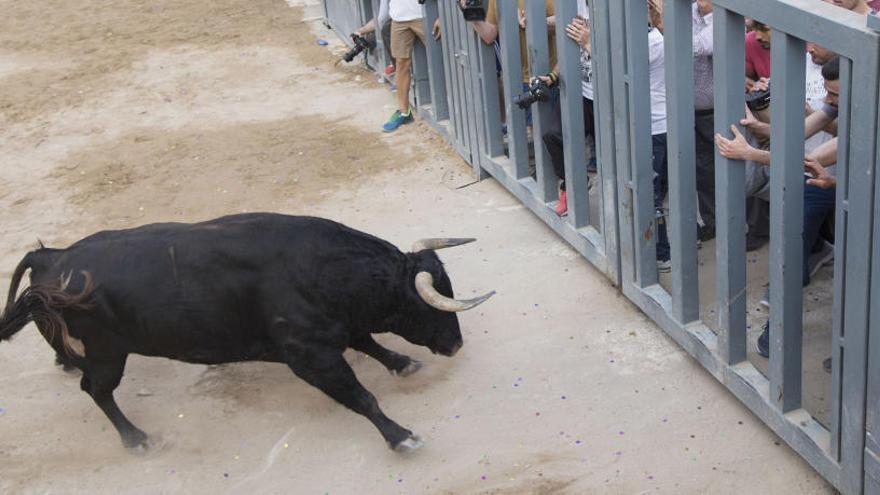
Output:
(539, 64)
(730, 211)
(572, 117)
(786, 222)
(682, 218)
(511, 71)
(436, 74)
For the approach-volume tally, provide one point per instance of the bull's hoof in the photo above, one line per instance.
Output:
(137, 442)
(411, 444)
(410, 368)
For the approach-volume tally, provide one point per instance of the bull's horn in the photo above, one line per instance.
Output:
(426, 290)
(438, 243)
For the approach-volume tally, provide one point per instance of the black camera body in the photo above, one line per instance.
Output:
(361, 43)
(538, 91)
(758, 100)
(472, 10)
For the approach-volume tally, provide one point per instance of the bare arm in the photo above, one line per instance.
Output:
(825, 153)
(488, 32)
(815, 122)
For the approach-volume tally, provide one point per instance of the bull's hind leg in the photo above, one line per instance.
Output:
(397, 364)
(100, 379)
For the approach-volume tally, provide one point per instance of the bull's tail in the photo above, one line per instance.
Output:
(43, 304)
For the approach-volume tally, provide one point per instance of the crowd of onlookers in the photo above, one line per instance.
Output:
(748, 141)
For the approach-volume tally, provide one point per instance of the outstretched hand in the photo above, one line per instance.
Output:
(737, 148)
(821, 177)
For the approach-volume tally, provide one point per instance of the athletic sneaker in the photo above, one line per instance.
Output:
(664, 266)
(821, 258)
(562, 204)
(398, 119)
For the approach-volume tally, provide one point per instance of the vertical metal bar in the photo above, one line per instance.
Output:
(641, 149)
(572, 110)
(492, 107)
(421, 94)
(730, 212)
(477, 115)
(860, 82)
(682, 176)
(436, 73)
(511, 71)
(872, 420)
(603, 89)
(617, 47)
(539, 64)
(380, 50)
(787, 222)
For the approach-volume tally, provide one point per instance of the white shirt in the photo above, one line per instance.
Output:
(658, 82)
(404, 10)
(816, 99)
(586, 59)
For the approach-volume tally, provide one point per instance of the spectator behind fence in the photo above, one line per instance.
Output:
(384, 29)
(818, 202)
(757, 52)
(579, 31)
(407, 25)
(488, 31)
(704, 113)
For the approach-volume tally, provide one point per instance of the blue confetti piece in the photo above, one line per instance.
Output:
(2, 410)
(322, 42)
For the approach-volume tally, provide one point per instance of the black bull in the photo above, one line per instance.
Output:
(256, 287)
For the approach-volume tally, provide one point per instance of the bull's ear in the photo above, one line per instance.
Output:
(426, 290)
(439, 243)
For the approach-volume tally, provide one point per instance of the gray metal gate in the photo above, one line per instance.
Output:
(611, 216)
(837, 452)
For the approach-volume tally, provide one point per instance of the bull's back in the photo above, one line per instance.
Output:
(203, 292)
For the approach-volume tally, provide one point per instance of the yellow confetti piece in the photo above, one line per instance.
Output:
(180, 415)
(236, 458)
(285, 445)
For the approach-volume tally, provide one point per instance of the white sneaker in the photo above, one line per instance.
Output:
(822, 258)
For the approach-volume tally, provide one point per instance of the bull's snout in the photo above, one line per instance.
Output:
(454, 349)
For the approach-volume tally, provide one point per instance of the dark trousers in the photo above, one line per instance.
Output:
(661, 187)
(553, 138)
(704, 128)
(818, 209)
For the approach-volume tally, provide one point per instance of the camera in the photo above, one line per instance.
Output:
(473, 10)
(758, 100)
(538, 91)
(361, 43)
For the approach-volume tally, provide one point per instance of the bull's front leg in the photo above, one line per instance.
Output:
(397, 364)
(323, 366)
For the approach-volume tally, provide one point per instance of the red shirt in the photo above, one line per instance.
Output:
(874, 4)
(757, 57)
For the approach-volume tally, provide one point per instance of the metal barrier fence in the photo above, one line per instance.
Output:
(612, 221)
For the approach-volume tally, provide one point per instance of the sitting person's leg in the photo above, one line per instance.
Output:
(818, 206)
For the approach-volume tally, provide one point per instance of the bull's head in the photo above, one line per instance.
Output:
(435, 323)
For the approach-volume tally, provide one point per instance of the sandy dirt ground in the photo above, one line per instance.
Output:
(115, 114)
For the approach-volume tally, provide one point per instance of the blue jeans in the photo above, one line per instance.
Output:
(818, 207)
(661, 187)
